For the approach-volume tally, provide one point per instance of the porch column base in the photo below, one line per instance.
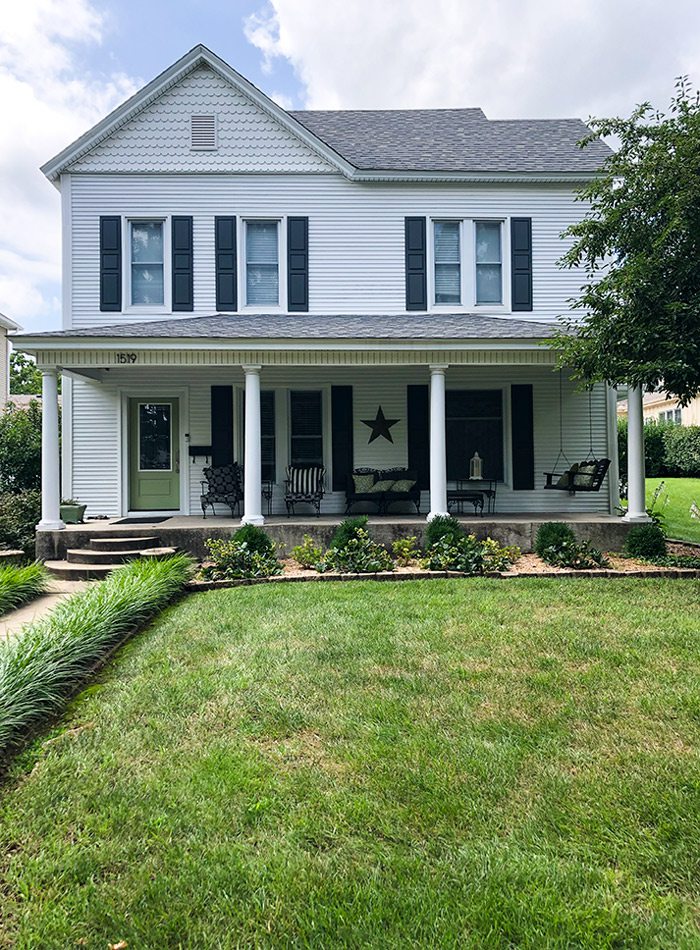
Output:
(437, 514)
(253, 519)
(636, 517)
(50, 526)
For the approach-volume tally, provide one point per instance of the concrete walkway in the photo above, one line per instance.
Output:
(12, 623)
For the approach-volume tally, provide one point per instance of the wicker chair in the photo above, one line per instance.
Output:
(304, 484)
(224, 485)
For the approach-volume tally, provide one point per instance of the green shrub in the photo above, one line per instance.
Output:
(443, 526)
(656, 460)
(497, 557)
(580, 555)
(552, 534)
(19, 514)
(44, 665)
(307, 554)
(235, 559)
(347, 530)
(405, 550)
(463, 554)
(19, 585)
(645, 541)
(622, 446)
(682, 450)
(257, 539)
(20, 448)
(360, 555)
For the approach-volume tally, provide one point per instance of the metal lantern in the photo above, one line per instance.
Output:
(475, 467)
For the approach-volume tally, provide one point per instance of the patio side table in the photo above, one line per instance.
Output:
(487, 486)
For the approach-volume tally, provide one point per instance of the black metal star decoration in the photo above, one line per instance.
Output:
(380, 426)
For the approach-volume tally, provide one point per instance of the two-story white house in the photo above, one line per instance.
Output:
(350, 289)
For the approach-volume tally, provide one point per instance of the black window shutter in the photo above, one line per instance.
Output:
(521, 263)
(298, 264)
(523, 437)
(225, 252)
(418, 424)
(110, 263)
(342, 449)
(416, 265)
(183, 278)
(221, 425)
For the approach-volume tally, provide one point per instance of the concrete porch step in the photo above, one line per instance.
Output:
(91, 556)
(125, 543)
(80, 572)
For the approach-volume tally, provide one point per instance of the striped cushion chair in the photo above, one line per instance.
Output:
(305, 484)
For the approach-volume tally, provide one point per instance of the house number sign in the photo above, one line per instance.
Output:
(126, 357)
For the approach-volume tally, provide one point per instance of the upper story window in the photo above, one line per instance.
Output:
(262, 263)
(146, 263)
(447, 262)
(489, 262)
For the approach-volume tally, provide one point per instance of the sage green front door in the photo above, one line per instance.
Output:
(154, 455)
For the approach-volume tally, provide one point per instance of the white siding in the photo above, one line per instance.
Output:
(356, 233)
(96, 436)
(158, 139)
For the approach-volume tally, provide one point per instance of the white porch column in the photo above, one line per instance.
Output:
(438, 452)
(636, 500)
(252, 462)
(50, 467)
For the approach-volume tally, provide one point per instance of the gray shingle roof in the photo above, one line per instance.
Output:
(454, 140)
(443, 326)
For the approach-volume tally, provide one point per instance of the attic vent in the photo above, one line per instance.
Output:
(203, 131)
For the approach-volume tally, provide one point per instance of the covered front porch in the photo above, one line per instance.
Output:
(149, 409)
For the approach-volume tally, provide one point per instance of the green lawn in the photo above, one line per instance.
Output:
(471, 763)
(681, 492)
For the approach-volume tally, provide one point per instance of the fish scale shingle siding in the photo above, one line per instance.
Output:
(158, 139)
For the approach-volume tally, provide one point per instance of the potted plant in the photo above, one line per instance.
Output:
(72, 512)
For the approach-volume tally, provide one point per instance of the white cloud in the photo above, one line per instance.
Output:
(48, 100)
(536, 58)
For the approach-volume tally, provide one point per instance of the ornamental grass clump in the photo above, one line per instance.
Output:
(19, 585)
(49, 660)
(251, 552)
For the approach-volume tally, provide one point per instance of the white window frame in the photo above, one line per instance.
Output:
(505, 282)
(467, 243)
(462, 283)
(280, 220)
(127, 305)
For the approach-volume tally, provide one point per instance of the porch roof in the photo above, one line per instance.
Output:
(305, 327)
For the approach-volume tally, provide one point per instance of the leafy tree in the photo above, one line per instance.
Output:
(25, 378)
(20, 448)
(639, 246)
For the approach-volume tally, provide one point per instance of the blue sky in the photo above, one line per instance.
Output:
(64, 64)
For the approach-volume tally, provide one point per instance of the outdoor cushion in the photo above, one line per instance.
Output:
(566, 479)
(363, 483)
(584, 473)
(403, 485)
(383, 485)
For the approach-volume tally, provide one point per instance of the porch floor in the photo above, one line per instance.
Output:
(190, 532)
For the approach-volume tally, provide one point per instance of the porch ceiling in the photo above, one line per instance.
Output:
(297, 340)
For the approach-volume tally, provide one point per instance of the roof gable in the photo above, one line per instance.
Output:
(150, 131)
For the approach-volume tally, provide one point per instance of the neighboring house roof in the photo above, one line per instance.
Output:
(455, 140)
(448, 326)
(8, 324)
(399, 143)
(22, 400)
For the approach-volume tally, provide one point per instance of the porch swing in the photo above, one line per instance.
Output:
(584, 476)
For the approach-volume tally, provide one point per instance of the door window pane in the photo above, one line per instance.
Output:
(262, 264)
(155, 437)
(147, 286)
(488, 262)
(447, 264)
(474, 423)
(306, 428)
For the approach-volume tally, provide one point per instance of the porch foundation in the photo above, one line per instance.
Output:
(191, 533)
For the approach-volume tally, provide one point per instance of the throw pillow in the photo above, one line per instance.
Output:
(585, 473)
(383, 485)
(363, 483)
(567, 478)
(403, 485)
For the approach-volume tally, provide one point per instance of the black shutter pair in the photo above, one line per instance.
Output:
(111, 263)
(416, 256)
(297, 264)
